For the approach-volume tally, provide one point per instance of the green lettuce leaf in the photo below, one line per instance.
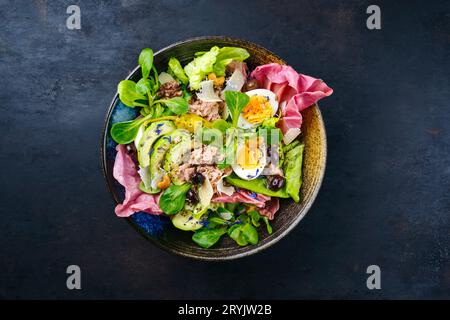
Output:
(214, 60)
(131, 94)
(146, 62)
(176, 70)
(236, 101)
(257, 185)
(226, 55)
(201, 66)
(271, 131)
(293, 171)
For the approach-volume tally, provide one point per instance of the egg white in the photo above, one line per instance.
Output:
(250, 174)
(244, 124)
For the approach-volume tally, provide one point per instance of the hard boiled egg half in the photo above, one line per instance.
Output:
(263, 104)
(250, 158)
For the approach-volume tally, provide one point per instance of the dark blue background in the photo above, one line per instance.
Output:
(385, 198)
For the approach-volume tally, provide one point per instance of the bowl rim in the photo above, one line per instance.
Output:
(251, 250)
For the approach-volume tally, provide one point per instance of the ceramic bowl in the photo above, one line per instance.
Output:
(159, 229)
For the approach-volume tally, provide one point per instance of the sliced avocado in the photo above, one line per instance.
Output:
(193, 217)
(139, 136)
(186, 221)
(160, 149)
(147, 190)
(175, 157)
(196, 210)
(150, 135)
(146, 180)
(157, 154)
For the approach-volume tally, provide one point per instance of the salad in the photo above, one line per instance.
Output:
(216, 145)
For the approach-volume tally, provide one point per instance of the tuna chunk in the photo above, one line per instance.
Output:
(203, 160)
(205, 155)
(212, 173)
(185, 172)
(208, 110)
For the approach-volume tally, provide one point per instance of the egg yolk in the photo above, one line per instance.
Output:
(249, 156)
(257, 110)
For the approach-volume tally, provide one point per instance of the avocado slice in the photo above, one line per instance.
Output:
(185, 221)
(193, 217)
(147, 190)
(150, 135)
(196, 210)
(139, 135)
(175, 157)
(158, 152)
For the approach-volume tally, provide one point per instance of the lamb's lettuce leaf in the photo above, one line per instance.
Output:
(131, 95)
(236, 101)
(208, 237)
(243, 234)
(146, 62)
(178, 105)
(173, 198)
(176, 70)
(268, 226)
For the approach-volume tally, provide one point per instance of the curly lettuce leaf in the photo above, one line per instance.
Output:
(215, 60)
(226, 55)
(293, 171)
(200, 67)
(272, 134)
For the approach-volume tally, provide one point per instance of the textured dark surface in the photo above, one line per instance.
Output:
(385, 198)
